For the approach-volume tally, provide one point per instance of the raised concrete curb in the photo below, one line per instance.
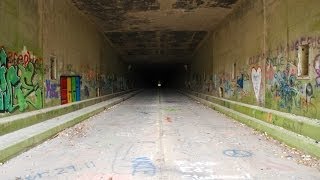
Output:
(16, 122)
(19, 141)
(293, 139)
(298, 124)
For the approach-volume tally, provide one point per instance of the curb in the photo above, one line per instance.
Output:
(298, 124)
(290, 138)
(12, 123)
(25, 144)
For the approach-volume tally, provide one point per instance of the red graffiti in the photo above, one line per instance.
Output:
(15, 58)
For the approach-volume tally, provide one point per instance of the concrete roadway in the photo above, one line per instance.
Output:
(158, 135)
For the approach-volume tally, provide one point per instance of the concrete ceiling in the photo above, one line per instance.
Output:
(156, 31)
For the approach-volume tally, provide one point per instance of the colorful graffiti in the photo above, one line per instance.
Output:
(23, 58)
(285, 87)
(282, 78)
(88, 73)
(18, 89)
(285, 91)
(256, 81)
(51, 90)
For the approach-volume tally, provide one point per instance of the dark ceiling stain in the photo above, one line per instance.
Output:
(156, 43)
(194, 4)
(113, 12)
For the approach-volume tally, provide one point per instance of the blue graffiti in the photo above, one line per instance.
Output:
(285, 87)
(228, 88)
(240, 81)
(51, 90)
(237, 153)
(143, 165)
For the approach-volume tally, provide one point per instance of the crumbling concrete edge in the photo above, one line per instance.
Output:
(22, 146)
(290, 138)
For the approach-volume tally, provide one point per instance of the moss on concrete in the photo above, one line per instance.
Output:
(42, 115)
(287, 121)
(19, 147)
(291, 138)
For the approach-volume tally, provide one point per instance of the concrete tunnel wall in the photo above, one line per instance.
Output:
(43, 40)
(255, 57)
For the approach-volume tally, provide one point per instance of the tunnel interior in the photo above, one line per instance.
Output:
(160, 89)
(159, 75)
(157, 57)
(158, 39)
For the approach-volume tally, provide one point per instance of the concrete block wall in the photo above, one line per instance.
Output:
(43, 40)
(257, 56)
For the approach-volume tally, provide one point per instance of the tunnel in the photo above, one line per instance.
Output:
(159, 89)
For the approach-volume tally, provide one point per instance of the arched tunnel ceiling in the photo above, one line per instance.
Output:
(156, 30)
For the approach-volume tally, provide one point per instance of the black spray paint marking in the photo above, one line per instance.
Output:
(237, 153)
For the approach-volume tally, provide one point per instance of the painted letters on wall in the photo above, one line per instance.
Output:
(18, 85)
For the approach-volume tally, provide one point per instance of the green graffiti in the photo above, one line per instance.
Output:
(3, 57)
(17, 89)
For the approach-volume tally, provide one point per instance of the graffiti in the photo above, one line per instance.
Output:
(237, 153)
(86, 91)
(285, 90)
(127, 133)
(105, 82)
(215, 81)
(23, 58)
(195, 167)
(59, 171)
(228, 88)
(201, 177)
(317, 69)
(120, 83)
(311, 41)
(276, 61)
(17, 89)
(240, 81)
(256, 59)
(203, 170)
(51, 90)
(89, 73)
(284, 85)
(256, 81)
(143, 165)
(69, 67)
(309, 92)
